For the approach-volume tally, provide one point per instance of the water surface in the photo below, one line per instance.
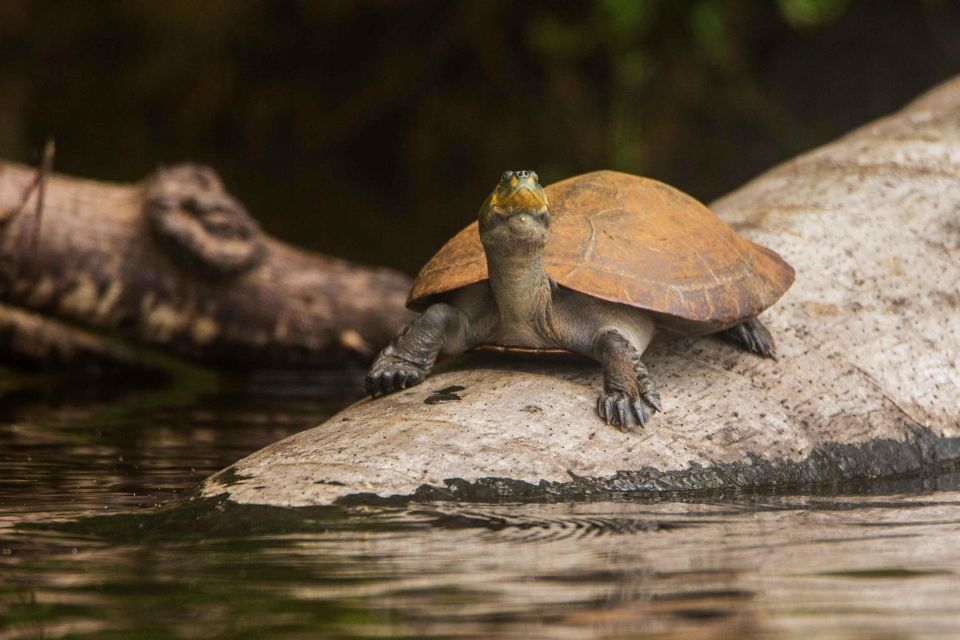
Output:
(101, 537)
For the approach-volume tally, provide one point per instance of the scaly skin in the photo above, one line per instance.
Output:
(521, 306)
(753, 336)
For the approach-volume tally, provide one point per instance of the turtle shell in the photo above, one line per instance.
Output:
(637, 242)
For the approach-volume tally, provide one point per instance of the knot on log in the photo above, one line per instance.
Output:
(205, 228)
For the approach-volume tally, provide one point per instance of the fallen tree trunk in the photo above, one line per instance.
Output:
(28, 339)
(866, 384)
(177, 263)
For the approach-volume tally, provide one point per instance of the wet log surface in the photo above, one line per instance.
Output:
(178, 264)
(866, 384)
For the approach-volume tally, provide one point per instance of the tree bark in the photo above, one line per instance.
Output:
(177, 263)
(28, 339)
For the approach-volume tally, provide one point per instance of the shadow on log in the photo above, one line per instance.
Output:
(866, 385)
(178, 264)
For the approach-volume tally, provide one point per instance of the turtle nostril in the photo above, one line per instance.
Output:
(523, 174)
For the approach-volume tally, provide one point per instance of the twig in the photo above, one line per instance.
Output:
(13, 212)
(43, 173)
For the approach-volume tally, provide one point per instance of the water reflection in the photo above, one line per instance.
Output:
(854, 566)
(69, 448)
(849, 566)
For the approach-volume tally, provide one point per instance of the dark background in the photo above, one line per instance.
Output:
(373, 129)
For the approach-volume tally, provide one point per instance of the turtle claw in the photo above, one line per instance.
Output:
(622, 411)
(404, 379)
(387, 382)
(625, 411)
(606, 408)
(642, 411)
(391, 374)
(653, 400)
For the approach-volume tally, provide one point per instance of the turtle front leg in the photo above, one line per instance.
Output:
(629, 395)
(409, 357)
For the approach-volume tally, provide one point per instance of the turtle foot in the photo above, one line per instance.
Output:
(753, 336)
(632, 409)
(390, 374)
(629, 397)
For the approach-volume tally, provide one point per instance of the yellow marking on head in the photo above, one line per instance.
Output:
(526, 199)
(514, 182)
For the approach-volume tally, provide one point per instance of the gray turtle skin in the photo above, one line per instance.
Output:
(521, 306)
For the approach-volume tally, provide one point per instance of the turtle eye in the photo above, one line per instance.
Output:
(506, 176)
(536, 178)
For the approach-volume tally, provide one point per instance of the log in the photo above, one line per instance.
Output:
(29, 339)
(866, 384)
(177, 263)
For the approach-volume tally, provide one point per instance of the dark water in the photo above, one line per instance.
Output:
(100, 538)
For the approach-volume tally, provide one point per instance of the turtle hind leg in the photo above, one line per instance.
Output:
(753, 336)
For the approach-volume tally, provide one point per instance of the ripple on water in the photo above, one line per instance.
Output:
(85, 550)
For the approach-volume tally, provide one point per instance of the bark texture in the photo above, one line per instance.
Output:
(866, 385)
(30, 339)
(176, 262)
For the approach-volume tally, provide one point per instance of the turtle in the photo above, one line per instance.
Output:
(597, 264)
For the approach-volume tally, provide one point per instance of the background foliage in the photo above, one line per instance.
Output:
(373, 129)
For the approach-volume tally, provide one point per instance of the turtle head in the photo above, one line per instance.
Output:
(516, 213)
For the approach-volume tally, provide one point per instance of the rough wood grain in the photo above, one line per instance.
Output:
(867, 383)
(177, 263)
